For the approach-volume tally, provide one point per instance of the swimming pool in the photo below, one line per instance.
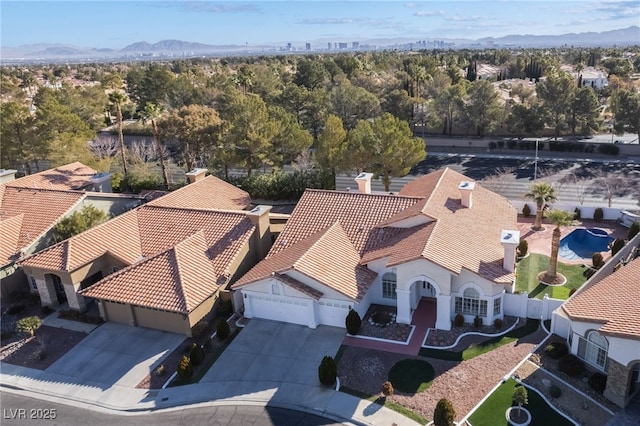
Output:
(582, 243)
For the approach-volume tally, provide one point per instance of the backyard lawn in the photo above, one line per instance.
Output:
(529, 268)
(492, 411)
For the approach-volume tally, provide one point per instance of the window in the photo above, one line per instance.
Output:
(497, 306)
(594, 349)
(34, 284)
(389, 284)
(470, 303)
(275, 289)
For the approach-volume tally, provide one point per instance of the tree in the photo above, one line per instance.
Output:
(611, 184)
(444, 414)
(520, 396)
(360, 146)
(332, 145)
(525, 120)
(626, 109)
(585, 112)
(556, 93)
(352, 103)
(29, 325)
(310, 73)
(450, 106)
(17, 136)
(327, 371)
(290, 137)
(152, 112)
(560, 219)
(79, 221)
(395, 150)
(118, 98)
(483, 109)
(542, 193)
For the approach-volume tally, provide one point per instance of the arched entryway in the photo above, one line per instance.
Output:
(55, 286)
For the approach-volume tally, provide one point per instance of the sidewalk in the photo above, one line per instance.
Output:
(316, 400)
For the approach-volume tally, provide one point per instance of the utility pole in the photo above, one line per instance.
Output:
(535, 169)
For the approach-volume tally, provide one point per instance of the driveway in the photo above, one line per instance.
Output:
(271, 351)
(116, 354)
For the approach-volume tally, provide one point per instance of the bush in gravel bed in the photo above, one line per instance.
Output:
(598, 382)
(556, 350)
(327, 371)
(555, 391)
(387, 389)
(185, 369)
(199, 328)
(196, 355)
(444, 414)
(497, 323)
(477, 322)
(353, 322)
(458, 321)
(571, 365)
(222, 329)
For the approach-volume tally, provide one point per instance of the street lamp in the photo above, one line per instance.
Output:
(535, 169)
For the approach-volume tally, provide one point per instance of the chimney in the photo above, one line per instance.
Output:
(259, 216)
(196, 175)
(509, 240)
(7, 175)
(364, 182)
(466, 192)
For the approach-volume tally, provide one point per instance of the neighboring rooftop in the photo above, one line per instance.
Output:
(74, 176)
(206, 193)
(612, 302)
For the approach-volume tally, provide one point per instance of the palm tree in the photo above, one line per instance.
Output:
(542, 193)
(118, 98)
(152, 112)
(560, 219)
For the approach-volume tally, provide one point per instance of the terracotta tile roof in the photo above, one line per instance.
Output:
(178, 279)
(328, 257)
(41, 210)
(10, 231)
(208, 193)
(612, 301)
(74, 176)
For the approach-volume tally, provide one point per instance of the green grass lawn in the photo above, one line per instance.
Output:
(529, 268)
(411, 375)
(483, 347)
(492, 411)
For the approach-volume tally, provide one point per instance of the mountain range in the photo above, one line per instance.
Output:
(35, 52)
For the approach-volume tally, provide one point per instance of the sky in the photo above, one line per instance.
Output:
(115, 24)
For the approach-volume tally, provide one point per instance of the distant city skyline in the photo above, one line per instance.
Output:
(116, 24)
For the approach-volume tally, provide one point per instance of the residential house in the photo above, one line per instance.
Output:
(31, 206)
(442, 237)
(161, 265)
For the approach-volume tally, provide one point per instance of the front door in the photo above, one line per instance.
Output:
(60, 293)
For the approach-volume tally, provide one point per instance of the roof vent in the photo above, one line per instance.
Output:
(466, 190)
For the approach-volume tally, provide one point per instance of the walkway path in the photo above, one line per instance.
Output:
(423, 318)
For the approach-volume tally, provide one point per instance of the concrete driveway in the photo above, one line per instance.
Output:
(116, 354)
(271, 351)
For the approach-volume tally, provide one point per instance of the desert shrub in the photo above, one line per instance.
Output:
(29, 325)
(520, 396)
(199, 328)
(523, 247)
(444, 414)
(598, 382)
(196, 355)
(222, 329)
(477, 322)
(616, 246)
(226, 308)
(597, 260)
(577, 214)
(327, 371)
(556, 350)
(161, 370)
(387, 388)
(15, 309)
(458, 321)
(353, 322)
(634, 229)
(571, 365)
(555, 391)
(185, 369)
(497, 323)
(598, 214)
(526, 210)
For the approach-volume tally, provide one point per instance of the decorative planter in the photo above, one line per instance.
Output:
(525, 413)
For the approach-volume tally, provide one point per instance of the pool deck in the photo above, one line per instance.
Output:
(540, 241)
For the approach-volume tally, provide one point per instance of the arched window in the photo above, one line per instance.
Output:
(470, 303)
(596, 350)
(389, 284)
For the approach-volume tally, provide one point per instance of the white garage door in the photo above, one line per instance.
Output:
(333, 313)
(295, 311)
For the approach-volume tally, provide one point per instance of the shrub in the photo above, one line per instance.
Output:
(616, 246)
(222, 329)
(387, 388)
(577, 214)
(555, 391)
(226, 308)
(556, 350)
(477, 322)
(199, 328)
(526, 210)
(41, 353)
(523, 247)
(185, 369)
(353, 322)
(634, 229)
(15, 309)
(598, 382)
(520, 396)
(196, 355)
(497, 323)
(610, 149)
(207, 345)
(444, 414)
(327, 371)
(458, 320)
(597, 260)
(598, 214)
(571, 365)
(160, 370)
(29, 325)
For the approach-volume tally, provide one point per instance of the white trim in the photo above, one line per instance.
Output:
(377, 339)
(175, 373)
